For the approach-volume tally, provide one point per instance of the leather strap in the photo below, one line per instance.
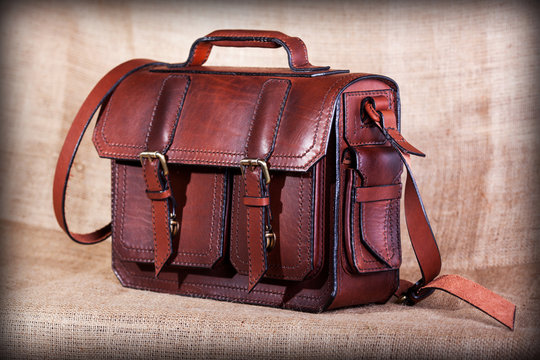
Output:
(425, 245)
(258, 222)
(159, 138)
(420, 232)
(99, 94)
(256, 201)
(259, 146)
(162, 209)
(377, 193)
(478, 296)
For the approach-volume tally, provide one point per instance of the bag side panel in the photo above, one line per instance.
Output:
(368, 250)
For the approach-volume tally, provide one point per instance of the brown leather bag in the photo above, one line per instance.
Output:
(268, 186)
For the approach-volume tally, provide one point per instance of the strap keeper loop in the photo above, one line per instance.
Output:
(159, 195)
(378, 193)
(256, 201)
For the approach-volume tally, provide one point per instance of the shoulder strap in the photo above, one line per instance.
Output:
(424, 243)
(95, 99)
(428, 257)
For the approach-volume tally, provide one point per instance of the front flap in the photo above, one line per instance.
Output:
(209, 116)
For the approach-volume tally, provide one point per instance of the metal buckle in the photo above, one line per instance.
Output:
(155, 155)
(174, 225)
(403, 299)
(256, 162)
(415, 294)
(270, 237)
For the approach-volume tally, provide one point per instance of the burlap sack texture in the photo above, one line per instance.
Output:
(467, 73)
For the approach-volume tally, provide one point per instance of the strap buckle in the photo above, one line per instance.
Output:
(414, 294)
(256, 162)
(155, 155)
(174, 226)
(270, 238)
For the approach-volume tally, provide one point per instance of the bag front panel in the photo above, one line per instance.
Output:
(205, 196)
(202, 261)
(292, 210)
(201, 198)
(210, 250)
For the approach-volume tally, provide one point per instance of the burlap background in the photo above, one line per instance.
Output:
(467, 73)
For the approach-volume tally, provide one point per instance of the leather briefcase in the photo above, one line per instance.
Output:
(269, 186)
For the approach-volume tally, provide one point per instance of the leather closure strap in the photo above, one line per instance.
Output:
(162, 210)
(258, 222)
(97, 97)
(424, 243)
(159, 137)
(259, 147)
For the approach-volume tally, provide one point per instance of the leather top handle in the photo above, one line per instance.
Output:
(295, 47)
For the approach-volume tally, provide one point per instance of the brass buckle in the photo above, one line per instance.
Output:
(155, 155)
(174, 225)
(256, 162)
(270, 237)
(402, 299)
(414, 294)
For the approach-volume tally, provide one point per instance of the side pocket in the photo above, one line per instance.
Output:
(371, 213)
